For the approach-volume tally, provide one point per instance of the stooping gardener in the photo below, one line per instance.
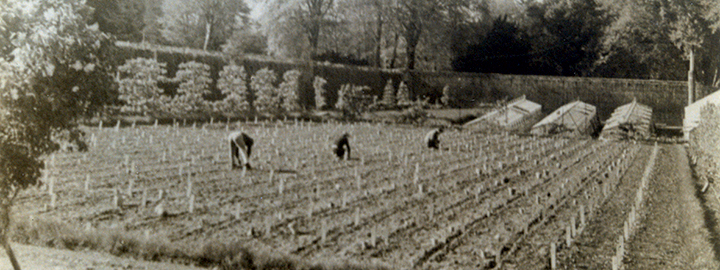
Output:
(240, 149)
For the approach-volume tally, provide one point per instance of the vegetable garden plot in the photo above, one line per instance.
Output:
(394, 202)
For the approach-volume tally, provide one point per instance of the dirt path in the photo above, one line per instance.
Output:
(32, 257)
(674, 233)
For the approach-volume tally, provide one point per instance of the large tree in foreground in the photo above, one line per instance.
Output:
(51, 72)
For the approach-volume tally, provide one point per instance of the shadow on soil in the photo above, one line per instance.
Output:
(709, 215)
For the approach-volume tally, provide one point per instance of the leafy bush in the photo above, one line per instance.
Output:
(704, 145)
(138, 85)
(268, 99)
(289, 89)
(320, 92)
(353, 100)
(231, 83)
(447, 98)
(413, 115)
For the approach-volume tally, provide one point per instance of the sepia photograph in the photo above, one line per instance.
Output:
(359, 134)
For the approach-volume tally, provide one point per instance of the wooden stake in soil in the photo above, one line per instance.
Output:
(357, 216)
(191, 204)
(568, 235)
(87, 182)
(323, 231)
(553, 256)
(117, 199)
(143, 203)
(53, 200)
(344, 199)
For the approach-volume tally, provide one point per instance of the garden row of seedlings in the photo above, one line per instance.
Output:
(632, 218)
(507, 189)
(597, 182)
(387, 212)
(524, 204)
(456, 177)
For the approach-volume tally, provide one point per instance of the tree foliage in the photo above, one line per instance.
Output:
(119, 17)
(204, 24)
(296, 28)
(505, 49)
(52, 71)
(566, 36)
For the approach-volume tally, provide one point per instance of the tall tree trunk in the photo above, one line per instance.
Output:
(394, 52)
(10, 254)
(378, 34)
(410, 51)
(691, 77)
(208, 27)
(4, 229)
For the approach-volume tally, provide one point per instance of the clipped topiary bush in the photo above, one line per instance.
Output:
(403, 95)
(138, 85)
(232, 84)
(289, 89)
(269, 100)
(320, 92)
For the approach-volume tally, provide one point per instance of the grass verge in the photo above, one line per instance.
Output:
(57, 234)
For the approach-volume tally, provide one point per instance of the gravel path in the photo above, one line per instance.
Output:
(674, 233)
(32, 257)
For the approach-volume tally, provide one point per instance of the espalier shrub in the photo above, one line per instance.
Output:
(389, 94)
(403, 95)
(231, 83)
(194, 79)
(320, 92)
(447, 99)
(268, 99)
(289, 89)
(138, 87)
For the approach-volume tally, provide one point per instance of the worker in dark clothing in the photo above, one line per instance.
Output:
(240, 149)
(432, 139)
(340, 145)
